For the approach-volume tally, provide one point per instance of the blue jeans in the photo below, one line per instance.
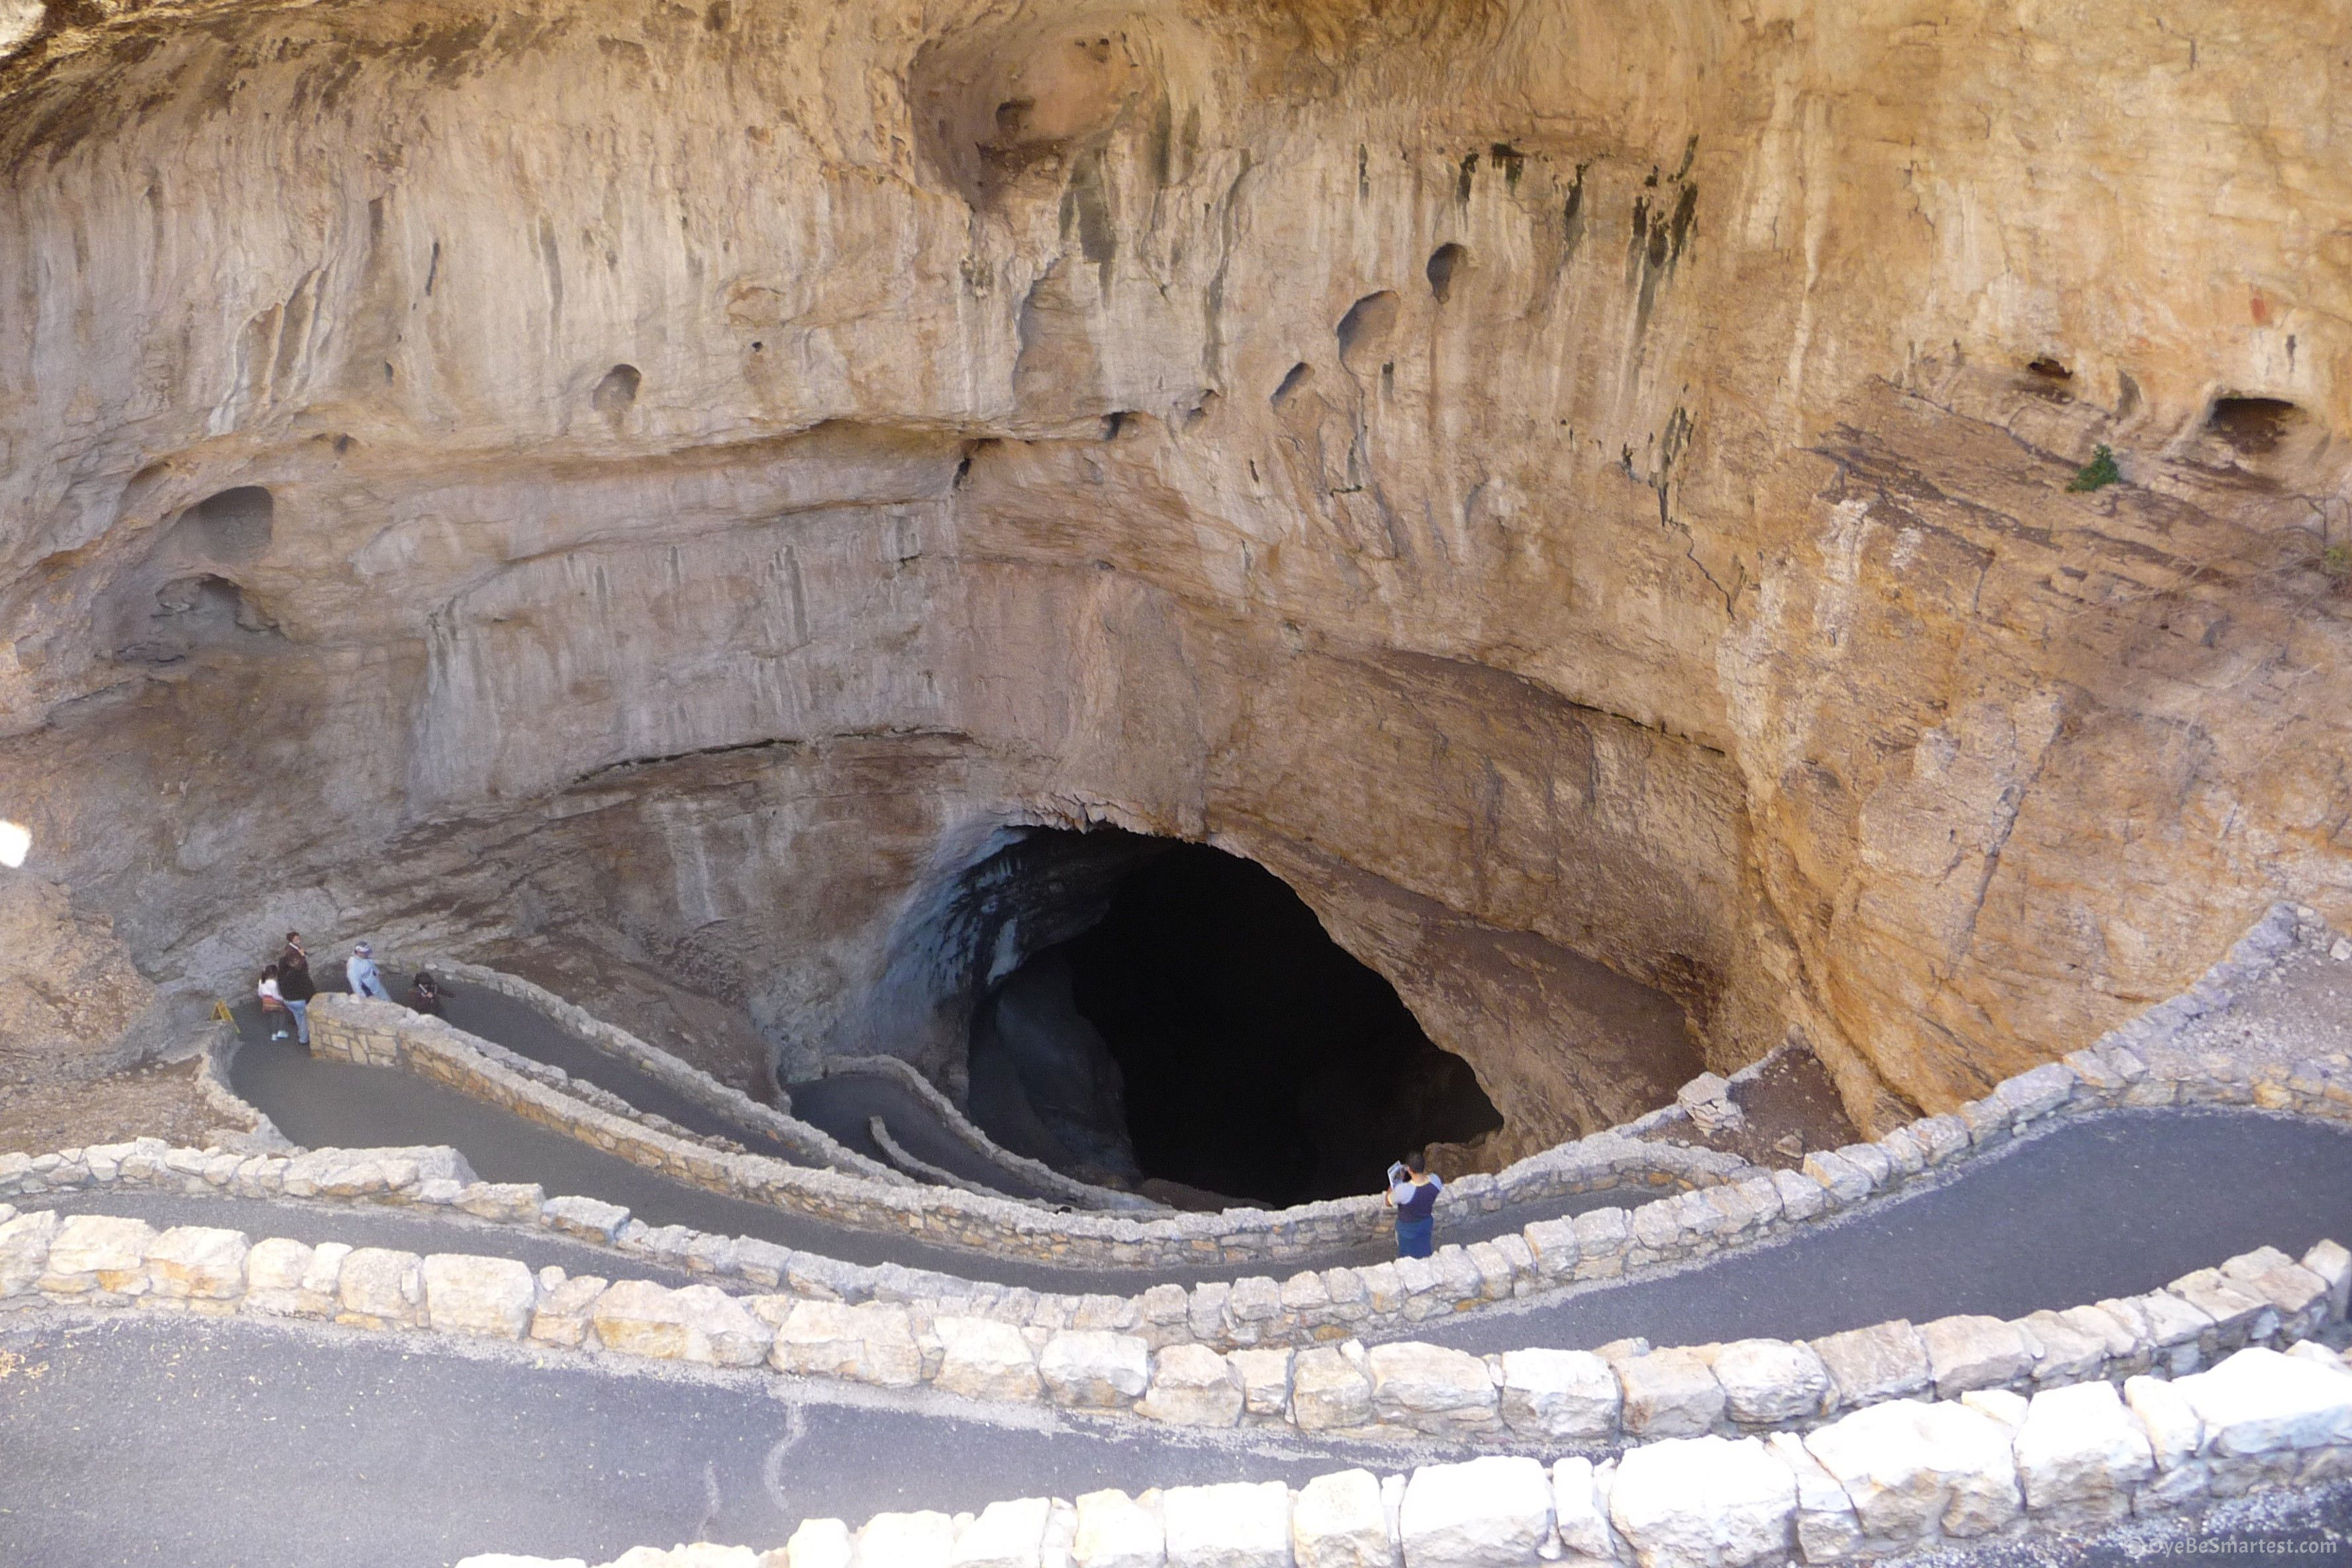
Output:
(1414, 1236)
(302, 1011)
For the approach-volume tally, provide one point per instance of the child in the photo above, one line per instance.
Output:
(271, 1002)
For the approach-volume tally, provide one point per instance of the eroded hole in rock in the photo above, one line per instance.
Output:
(1364, 331)
(191, 613)
(233, 525)
(1205, 1030)
(616, 391)
(2251, 425)
(1444, 263)
(1297, 375)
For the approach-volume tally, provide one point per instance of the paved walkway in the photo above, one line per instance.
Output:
(323, 1103)
(2107, 1205)
(194, 1444)
(843, 1105)
(136, 1439)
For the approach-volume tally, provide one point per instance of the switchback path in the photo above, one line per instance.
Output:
(2111, 1204)
(323, 1103)
(2101, 1207)
(841, 1106)
(135, 1439)
(193, 1443)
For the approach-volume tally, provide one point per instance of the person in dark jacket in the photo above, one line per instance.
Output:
(425, 995)
(295, 986)
(1412, 1192)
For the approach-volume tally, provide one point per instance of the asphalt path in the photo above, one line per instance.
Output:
(526, 1030)
(2104, 1206)
(190, 1443)
(142, 1439)
(844, 1103)
(838, 1106)
(198, 1443)
(323, 1103)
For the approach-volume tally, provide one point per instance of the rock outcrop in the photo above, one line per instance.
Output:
(1581, 491)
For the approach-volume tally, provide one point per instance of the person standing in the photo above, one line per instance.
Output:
(295, 986)
(1412, 1192)
(271, 1001)
(359, 970)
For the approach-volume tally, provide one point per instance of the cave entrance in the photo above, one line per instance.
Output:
(1205, 1031)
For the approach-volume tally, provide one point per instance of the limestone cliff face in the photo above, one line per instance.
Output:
(1578, 490)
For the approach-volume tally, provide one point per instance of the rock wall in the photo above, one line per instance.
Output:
(72, 1004)
(1578, 490)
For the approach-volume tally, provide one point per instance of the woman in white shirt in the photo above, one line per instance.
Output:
(271, 1001)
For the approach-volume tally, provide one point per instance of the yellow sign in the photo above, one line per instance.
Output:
(221, 1012)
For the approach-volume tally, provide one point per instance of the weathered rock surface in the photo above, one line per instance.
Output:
(478, 1295)
(1238, 1524)
(1117, 1531)
(1569, 1395)
(1915, 1471)
(1095, 1367)
(1580, 493)
(871, 1343)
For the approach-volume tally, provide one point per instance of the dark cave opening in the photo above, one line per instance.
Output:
(1207, 1032)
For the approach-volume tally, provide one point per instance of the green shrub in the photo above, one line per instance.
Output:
(2098, 473)
(2335, 561)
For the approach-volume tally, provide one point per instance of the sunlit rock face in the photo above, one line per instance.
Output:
(1576, 490)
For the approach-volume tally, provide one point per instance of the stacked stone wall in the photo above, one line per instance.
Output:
(1898, 1478)
(2154, 1061)
(1592, 1401)
(382, 1035)
(1872, 1444)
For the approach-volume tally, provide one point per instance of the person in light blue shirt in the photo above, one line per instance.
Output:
(1412, 1192)
(360, 969)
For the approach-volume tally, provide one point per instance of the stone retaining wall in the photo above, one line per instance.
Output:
(961, 1127)
(2146, 1063)
(1594, 1400)
(382, 1034)
(808, 1143)
(2153, 1061)
(1900, 1477)
(219, 1046)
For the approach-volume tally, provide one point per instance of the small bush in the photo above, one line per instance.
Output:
(2336, 562)
(2098, 473)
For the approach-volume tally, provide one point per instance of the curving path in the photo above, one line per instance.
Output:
(2111, 1204)
(196, 1444)
(136, 1439)
(323, 1103)
(839, 1107)
(843, 1104)
(191, 1442)
(2101, 1207)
